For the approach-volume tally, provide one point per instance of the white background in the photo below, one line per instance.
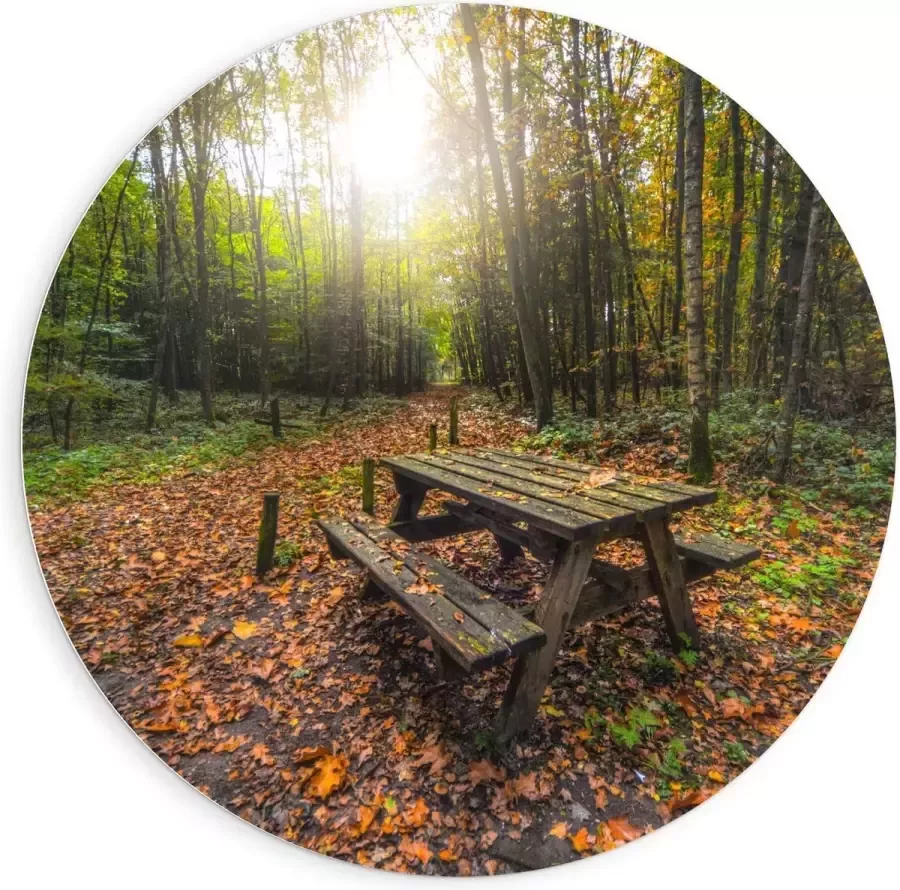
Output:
(82, 800)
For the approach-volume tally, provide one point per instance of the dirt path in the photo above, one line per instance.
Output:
(317, 716)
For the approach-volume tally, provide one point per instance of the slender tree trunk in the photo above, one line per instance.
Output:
(163, 267)
(758, 351)
(527, 322)
(701, 463)
(729, 293)
(581, 219)
(678, 298)
(797, 370)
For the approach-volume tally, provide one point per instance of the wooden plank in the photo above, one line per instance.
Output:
(539, 543)
(641, 507)
(412, 494)
(554, 611)
(679, 494)
(501, 622)
(469, 643)
(557, 520)
(614, 517)
(669, 582)
(719, 553)
(433, 528)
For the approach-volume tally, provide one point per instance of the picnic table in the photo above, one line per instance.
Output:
(561, 511)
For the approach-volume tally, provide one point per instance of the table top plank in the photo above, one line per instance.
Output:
(555, 519)
(618, 518)
(643, 507)
(680, 495)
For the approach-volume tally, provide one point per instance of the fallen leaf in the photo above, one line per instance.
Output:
(458, 616)
(559, 830)
(580, 841)
(158, 556)
(331, 771)
(716, 776)
(623, 830)
(243, 630)
(485, 771)
(188, 640)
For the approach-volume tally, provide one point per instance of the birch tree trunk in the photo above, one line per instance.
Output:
(701, 463)
(758, 347)
(729, 293)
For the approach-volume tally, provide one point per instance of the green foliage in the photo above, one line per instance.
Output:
(736, 752)
(287, 553)
(658, 669)
(819, 576)
(670, 764)
(639, 723)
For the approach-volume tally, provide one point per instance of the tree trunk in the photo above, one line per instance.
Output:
(528, 327)
(581, 219)
(758, 347)
(797, 370)
(678, 227)
(729, 293)
(701, 463)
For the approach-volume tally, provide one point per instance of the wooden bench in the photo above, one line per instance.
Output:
(714, 553)
(470, 629)
(611, 588)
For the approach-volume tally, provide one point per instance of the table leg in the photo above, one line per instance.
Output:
(532, 671)
(412, 494)
(667, 576)
(509, 550)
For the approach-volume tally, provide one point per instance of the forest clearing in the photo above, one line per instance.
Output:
(317, 715)
(621, 283)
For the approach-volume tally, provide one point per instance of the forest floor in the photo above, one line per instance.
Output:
(317, 716)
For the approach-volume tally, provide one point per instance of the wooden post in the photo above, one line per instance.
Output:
(276, 419)
(667, 575)
(531, 672)
(432, 437)
(454, 422)
(368, 485)
(268, 531)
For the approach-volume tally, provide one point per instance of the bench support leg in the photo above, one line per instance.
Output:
(412, 494)
(372, 591)
(667, 576)
(509, 550)
(531, 672)
(447, 669)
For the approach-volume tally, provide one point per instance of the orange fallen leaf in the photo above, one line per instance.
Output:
(623, 830)
(416, 850)
(559, 830)
(365, 817)
(243, 630)
(458, 616)
(308, 755)
(693, 799)
(579, 840)
(716, 776)
(188, 641)
(331, 771)
(485, 771)
(158, 556)
(416, 815)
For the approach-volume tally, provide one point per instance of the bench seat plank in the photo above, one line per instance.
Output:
(718, 553)
(441, 612)
(496, 617)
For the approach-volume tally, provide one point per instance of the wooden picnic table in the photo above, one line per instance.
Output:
(564, 511)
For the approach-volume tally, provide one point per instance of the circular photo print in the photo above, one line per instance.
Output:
(459, 440)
